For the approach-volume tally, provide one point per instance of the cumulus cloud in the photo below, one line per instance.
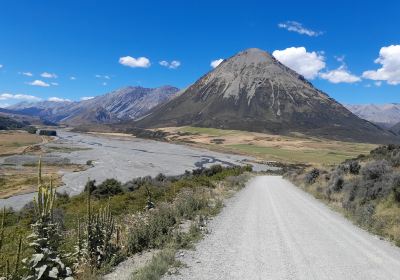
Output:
(54, 84)
(84, 98)
(294, 26)
(140, 62)
(216, 62)
(48, 75)
(10, 96)
(340, 75)
(58, 99)
(39, 83)
(171, 65)
(104, 83)
(305, 63)
(389, 58)
(1, 65)
(72, 78)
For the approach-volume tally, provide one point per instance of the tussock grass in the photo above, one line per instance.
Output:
(158, 266)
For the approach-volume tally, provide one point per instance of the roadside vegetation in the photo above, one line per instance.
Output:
(85, 236)
(366, 189)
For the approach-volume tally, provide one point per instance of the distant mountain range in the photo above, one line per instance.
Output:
(385, 115)
(253, 91)
(123, 104)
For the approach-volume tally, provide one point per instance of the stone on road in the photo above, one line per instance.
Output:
(273, 230)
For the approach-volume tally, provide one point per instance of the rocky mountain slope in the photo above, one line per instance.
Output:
(385, 115)
(123, 104)
(253, 91)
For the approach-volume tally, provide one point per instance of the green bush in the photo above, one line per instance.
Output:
(152, 231)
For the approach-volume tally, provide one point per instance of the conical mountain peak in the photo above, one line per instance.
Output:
(253, 91)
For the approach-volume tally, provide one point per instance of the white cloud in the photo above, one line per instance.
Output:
(1, 65)
(107, 77)
(164, 63)
(172, 65)
(9, 96)
(54, 84)
(72, 78)
(48, 75)
(297, 27)
(39, 83)
(378, 83)
(340, 75)
(305, 63)
(57, 99)
(389, 58)
(104, 83)
(216, 62)
(86, 98)
(28, 74)
(141, 62)
(4, 105)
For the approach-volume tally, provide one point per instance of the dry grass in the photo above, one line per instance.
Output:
(14, 142)
(292, 149)
(15, 181)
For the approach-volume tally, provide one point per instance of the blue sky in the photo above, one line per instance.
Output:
(336, 43)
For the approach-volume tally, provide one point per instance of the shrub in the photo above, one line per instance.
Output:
(187, 203)
(312, 176)
(354, 167)
(337, 183)
(396, 187)
(375, 170)
(48, 132)
(108, 188)
(160, 177)
(31, 129)
(152, 230)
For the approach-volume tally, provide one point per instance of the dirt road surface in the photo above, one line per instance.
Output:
(273, 230)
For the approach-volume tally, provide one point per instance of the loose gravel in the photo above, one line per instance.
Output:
(273, 230)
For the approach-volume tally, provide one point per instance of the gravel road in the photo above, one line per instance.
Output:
(122, 158)
(273, 230)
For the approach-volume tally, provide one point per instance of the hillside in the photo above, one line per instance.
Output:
(385, 115)
(122, 104)
(10, 124)
(253, 91)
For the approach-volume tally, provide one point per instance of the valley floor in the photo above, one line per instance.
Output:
(290, 149)
(273, 230)
(113, 156)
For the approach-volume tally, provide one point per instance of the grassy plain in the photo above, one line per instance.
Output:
(289, 149)
(14, 141)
